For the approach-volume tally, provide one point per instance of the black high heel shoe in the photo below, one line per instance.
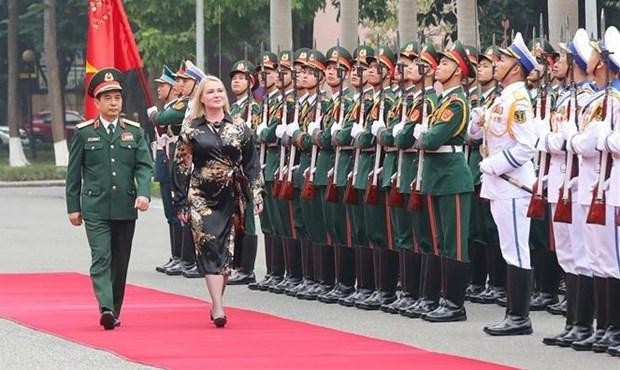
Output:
(220, 322)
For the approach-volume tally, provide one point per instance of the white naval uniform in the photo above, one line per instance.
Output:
(599, 239)
(511, 139)
(569, 238)
(610, 139)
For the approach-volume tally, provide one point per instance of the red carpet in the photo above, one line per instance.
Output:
(174, 332)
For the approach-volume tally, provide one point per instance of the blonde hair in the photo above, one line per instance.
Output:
(198, 109)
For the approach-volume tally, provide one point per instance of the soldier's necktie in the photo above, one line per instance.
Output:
(111, 129)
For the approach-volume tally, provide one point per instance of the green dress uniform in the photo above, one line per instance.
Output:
(106, 172)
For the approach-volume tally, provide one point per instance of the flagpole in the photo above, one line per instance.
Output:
(200, 35)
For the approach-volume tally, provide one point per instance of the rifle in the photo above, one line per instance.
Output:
(416, 199)
(350, 193)
(371, 195)
(265, 107)
(536, 208)
(279, 179)
(287, 189)
(248, 115)
(597, 211)
(564, 209)
(308, 191)
(331, 193)
(395, 198)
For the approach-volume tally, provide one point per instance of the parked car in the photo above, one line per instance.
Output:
(42, 125)
(4, 135)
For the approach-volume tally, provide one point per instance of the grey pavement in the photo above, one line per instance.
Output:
(35, 235)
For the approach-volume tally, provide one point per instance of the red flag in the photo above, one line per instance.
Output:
(110, 43)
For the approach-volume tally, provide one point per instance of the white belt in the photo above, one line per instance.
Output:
(447, 149)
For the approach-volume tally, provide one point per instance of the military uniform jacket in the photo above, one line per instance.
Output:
(446, 173)
(344, 140)
(475, 156)
(172, 116)
(553, 142)
(404, 139)
(611, 143)
(239, 111)
(268, 135)
(511, 139)
(323, 139)
(105, 174)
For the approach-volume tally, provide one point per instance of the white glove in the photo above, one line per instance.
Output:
(280, 130)
(260, 128)
(398, 128)
(486, 168)
(477, 116)
(567, 130)
(603, 132)
(314, 125)
(356, 130)
(376, 126)
(542, 128)
(151, 111)
(418, 131)
(291, 128)
(335, 128)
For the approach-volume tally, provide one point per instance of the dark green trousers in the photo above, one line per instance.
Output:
(449, 218)
(110, 248)
(355, 212)
(422, 235)
(376, 217)
(312, 217)
(336, 219)
(402, 228)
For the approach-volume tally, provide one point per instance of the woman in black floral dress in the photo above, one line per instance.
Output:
(215, 169)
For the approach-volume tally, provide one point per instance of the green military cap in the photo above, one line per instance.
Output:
(268, 60)
(363, 54)
(429, 55)
(301, 55)
(167, 76)
(286, 57)
(247, 68)
(386, 57)
(491, 54)
(106, 79)
(410, 50)
(316, 60)
(338, 53)
(540, 46)
(458, 55)
(472, 54)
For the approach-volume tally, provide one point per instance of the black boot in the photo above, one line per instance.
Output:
(516, 321)
(291, 255)
(386, 279)
(344, 261)
(409, 277)
(260, 285)
(323, 260)
(600, 306)
(560, 307)
(162, 268)
(612, 333)
(430, 288)
(477, 251)
(584, 310)
(307, 264)
(451, 307)
(245, 274)
(188, 254)
(549, 282)
(364, 273)
(572, 295)
(496, 265)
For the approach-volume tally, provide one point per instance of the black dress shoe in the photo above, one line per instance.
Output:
(306, 284)
(558, 308)
(423, 307)
(274, 281)
(339, 291)
(610, 339)
(175, 269)
(542, 300)
(259, 285)
(490, 295)
(586, 345)
(473, 290)
(511, 325)
(313, 293)
(107, 320)
(553, 340)
(577, 334)
(614, 350)
(241, 278)
(376, 300)
(283, 285)
(502, 301)
(359, 295)
(405, 300)
(446, 312)
(117, 323)
(165, 266)
(193, 273)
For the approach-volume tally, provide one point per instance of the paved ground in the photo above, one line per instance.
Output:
(36, 236)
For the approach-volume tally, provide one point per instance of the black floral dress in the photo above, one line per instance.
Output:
(216, 169)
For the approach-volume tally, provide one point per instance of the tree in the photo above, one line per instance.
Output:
(16, 152)
(54, 90)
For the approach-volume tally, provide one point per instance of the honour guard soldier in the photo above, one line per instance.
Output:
(243, 81)
(483, 232)
(449, 200)
(423, 75)
(271, 219)
(509, 137)
(333, 181)
(601, 233)
(108, 180)
(561, 184)
(172, 113)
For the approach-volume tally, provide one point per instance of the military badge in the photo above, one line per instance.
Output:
(94, 138)
(415, 115)
(127, 136)
(179, 105)
(108, 77)
(520, 116)
(446, 115)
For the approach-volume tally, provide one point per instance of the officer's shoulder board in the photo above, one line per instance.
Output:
(131, 123)
(85, 123)
(181, 104)
(520, 95)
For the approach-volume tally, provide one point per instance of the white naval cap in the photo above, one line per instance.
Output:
(520, 51)
(612, 43)
(193, 72)
(581, 48)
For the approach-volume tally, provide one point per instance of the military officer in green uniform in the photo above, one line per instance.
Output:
(448, 183)
(108, 180)
(242, 82)
(331, 175)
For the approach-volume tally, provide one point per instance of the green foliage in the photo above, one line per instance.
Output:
(43, 168)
